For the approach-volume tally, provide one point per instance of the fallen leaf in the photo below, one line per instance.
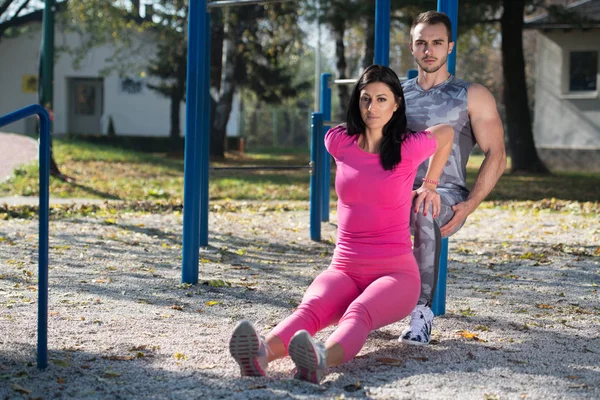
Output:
(545, 306)
(390, 361)
(18, 388)
(111, 374)
(177, 307)
(470, 336)
(119, 358)
(180, 356)
(61, 363)
(212, 303)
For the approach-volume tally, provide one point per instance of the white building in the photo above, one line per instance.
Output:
(85, 101)
(567, 102)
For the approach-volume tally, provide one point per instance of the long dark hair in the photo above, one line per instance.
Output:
(394, 132)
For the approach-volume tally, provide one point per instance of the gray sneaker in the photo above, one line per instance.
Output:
(249, 350)
(309, 356)
(419, 331)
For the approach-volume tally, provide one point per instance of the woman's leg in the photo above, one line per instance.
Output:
(371, 310)
(324, 302)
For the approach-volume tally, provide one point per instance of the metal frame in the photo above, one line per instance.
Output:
(228, 3)
(197, 133)
(44, 209)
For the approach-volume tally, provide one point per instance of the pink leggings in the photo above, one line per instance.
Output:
(359, 297)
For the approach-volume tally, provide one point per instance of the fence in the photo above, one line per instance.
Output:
(275, 127)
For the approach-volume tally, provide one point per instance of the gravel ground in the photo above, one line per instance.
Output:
(522, 318)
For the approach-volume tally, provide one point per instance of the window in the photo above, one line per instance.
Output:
(583, 71)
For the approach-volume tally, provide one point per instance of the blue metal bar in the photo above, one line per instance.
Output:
(450, 8)
(44, 205)
(382, 32)
(316, 176)
(228, 3)
(438, 305)
(197, 42)
(205, 139)
(412, 73)
(325, 166)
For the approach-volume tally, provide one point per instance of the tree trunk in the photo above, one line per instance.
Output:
(224, 104)
(339, 28)
(175, 131)
(178, 95)
(369, 56)
(523, 153)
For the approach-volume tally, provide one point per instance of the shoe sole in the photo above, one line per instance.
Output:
(413, 342)
(303, 354)
(243, 346)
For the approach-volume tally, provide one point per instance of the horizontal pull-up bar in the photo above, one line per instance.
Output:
(259, 167)
(345, 81)
(227, 3)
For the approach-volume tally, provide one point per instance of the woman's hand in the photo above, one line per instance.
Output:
(427, 196)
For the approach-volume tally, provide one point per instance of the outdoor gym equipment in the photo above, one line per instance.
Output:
(44, 205)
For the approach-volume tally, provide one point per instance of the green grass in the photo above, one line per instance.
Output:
(106, 172)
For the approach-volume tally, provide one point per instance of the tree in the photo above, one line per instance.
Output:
(523, 153)
(249, 48)
(170, 61)
(15, 15)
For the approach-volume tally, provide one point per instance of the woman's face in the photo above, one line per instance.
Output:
(377, 105)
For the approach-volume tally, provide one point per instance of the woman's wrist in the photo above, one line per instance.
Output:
(431, 181)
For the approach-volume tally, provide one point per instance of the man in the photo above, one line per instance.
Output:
(441, 196)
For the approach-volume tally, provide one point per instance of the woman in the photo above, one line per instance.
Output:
(372, 264)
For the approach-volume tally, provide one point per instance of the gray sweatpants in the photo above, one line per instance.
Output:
(428, 240)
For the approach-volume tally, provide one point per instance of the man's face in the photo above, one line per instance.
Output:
(430, 46)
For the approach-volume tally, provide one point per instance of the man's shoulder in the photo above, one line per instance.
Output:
(461, 83)
(408, 83)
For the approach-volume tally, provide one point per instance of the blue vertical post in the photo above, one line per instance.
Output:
(205, 138)
(438, 305)
(450, 8)
(194, 129)
(325, 166)
(316, 175)
(382, 32)
(44, 205)
(44, 210)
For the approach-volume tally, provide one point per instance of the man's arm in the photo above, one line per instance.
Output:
(489, 134)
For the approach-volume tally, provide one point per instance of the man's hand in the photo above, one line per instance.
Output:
(427, 196)
(461, 212)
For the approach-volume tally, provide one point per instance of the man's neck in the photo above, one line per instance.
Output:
(428, 80)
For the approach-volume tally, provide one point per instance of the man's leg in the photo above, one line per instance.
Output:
(427, 246)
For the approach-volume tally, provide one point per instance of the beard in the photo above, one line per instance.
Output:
(432, 68)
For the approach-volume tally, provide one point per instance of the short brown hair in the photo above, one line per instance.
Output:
(433, 18)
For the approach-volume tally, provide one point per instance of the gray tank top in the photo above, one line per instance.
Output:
(445, 103)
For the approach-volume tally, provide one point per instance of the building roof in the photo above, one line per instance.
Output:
(583, 14)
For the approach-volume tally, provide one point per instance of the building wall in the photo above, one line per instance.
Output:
(141, 114)
(566, 125)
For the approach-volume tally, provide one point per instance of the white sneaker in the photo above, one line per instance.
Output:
(309, 356)
(419, 331)
(249, 350)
